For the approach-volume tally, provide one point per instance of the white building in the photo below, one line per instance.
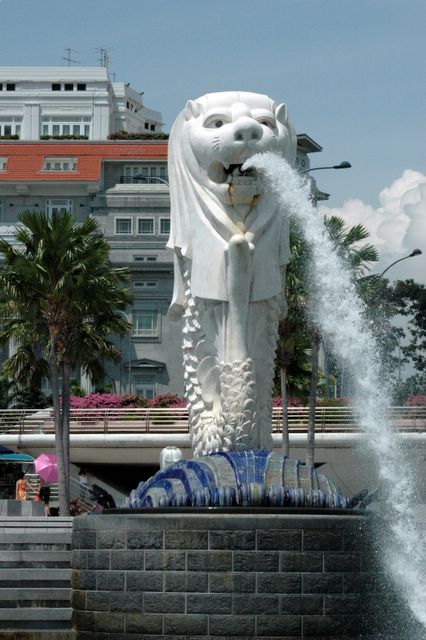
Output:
(44, 102)
(123, 183)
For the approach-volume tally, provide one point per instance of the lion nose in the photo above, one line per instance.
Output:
(247, 129)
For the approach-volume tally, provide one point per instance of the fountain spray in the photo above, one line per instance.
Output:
(340, 314)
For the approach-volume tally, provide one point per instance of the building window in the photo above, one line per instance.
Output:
(68, 86)
(10, 87)
(123, 226)
(145, 284)
(66, 125)
(146, 125)
(164, 226)
(152, 127)
(144, 386)
(145, 258)
(3, 164)
(10, 126)
(145, 324)
(60, 164)
(81, 86)
(56, 86)
(146, 226)
(58, 206)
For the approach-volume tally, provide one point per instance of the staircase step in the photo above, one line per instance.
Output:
(35, 520)
(31, 593)
(47, 634)
(34, 603)
(40, 537)
(27, 523)
(35, 558)
(33, 613)
(35, 577)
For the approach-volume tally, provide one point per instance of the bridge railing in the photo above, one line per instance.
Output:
(175, 420)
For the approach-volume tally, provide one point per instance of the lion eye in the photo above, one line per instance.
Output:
(215, 121)
(267, 123)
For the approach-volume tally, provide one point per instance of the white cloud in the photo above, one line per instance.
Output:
(396, 227)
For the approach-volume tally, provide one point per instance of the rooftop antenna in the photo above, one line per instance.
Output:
(104, 58)
(68, 57)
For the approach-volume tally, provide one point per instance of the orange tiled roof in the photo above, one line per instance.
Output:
(25, 160)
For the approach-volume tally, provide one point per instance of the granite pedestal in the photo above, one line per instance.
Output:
(208, 574)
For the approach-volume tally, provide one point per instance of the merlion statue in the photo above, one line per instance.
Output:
(231, 246)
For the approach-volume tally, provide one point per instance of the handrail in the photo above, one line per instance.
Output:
(76, 491)
(175, 419)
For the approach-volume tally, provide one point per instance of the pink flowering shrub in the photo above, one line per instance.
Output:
(102, 401)
(327, 402)
(116, 401)
(292, 402)
(333, 402)
(167, 400)
(415, 401)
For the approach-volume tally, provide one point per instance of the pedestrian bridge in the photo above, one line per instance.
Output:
(136, 436)
(149, 428)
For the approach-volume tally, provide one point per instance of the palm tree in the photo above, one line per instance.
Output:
(58, 285)
(291, 353)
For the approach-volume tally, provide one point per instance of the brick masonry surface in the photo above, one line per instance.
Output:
(221, 576)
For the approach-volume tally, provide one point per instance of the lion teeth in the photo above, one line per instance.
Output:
(243, 180)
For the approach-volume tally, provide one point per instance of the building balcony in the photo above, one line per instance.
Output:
(140, 179)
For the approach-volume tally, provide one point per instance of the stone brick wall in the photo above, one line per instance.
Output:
(221, 575)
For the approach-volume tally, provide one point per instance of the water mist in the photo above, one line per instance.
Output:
(339, 312)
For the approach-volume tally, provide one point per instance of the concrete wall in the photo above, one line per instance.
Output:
(187, 574)
(20, 508)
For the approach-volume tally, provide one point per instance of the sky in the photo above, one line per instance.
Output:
(351, 72)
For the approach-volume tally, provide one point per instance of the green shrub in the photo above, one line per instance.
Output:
(149, 135)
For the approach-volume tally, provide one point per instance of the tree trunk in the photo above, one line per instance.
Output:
(66, 399)
(310, 447)
(284, 403)
(59, 443)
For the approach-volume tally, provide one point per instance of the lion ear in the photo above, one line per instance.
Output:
(281, 113)
(192, 110)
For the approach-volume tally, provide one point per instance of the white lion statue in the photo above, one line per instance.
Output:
(231, 248)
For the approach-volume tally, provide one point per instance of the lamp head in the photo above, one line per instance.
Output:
(343, 165)
(415, 252)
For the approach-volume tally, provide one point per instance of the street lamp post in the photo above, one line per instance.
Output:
(415, 252)
(343, 165)
(377, 276)
(129, 354)
(314, 196)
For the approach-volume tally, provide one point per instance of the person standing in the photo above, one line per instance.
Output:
(84, 483)
(21, 487)
(44, 494)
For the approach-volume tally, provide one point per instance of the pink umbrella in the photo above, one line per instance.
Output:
(46, 467)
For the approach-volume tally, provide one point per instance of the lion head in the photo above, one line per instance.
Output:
(212, 198)
(223, 130)
(209, 142)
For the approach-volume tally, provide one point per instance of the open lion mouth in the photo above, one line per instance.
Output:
(231, 174)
